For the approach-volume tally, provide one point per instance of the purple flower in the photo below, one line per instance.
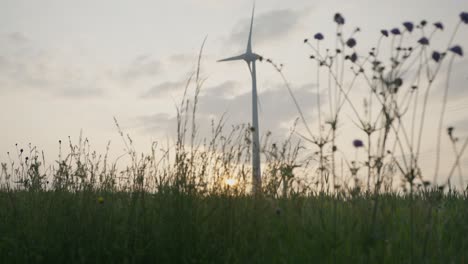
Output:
(464, 17)
(318, 36)
(436, 56)
(439, 25)
(423, 41)
(357, 143)
(384, 32)
(395, 31)
(457, 50)
(409, 26)
(339, 19)
(351, 42)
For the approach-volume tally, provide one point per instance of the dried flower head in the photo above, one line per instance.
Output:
(384, 32)
(450, 131)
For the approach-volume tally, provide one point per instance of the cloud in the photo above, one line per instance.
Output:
(158, 122)
(163, 89)
(182, 58)
(81, 92)
(224, 90)
(17, 38)
(277, 111)
(45, 71)
(142, 67)
(268, 26)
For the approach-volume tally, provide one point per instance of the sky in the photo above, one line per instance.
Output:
(71, 66)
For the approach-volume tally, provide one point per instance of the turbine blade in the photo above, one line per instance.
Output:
(249, 42)
(240, 57)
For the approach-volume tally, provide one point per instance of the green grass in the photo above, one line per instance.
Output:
(171, 227)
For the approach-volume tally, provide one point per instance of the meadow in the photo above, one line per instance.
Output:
(191, 201)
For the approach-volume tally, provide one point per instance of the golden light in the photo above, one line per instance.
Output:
(230, 182)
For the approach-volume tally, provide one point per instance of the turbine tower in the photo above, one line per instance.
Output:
(250, 58)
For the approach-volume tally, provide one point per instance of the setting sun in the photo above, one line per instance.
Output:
(231, 182)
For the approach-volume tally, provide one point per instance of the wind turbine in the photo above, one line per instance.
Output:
(250, 58)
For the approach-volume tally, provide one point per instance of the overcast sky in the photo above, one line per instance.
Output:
(67, 66)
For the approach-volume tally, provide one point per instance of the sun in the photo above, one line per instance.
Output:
(230, 182)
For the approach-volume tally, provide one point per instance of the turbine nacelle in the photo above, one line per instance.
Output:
(247, 57)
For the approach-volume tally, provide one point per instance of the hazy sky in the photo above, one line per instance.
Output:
(72, 65)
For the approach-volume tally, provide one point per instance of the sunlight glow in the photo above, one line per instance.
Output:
(230, 182)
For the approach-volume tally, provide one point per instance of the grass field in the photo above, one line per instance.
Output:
(171, 227)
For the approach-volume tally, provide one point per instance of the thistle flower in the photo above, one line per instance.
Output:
(318, 36)
(351, 42)
(439, 25)
(423, 41)
(357, 143)
(436, 56)
(457, 50)
(395, 31)
(384, 32)
(339, 19)
(409, 26)
(464, 17)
